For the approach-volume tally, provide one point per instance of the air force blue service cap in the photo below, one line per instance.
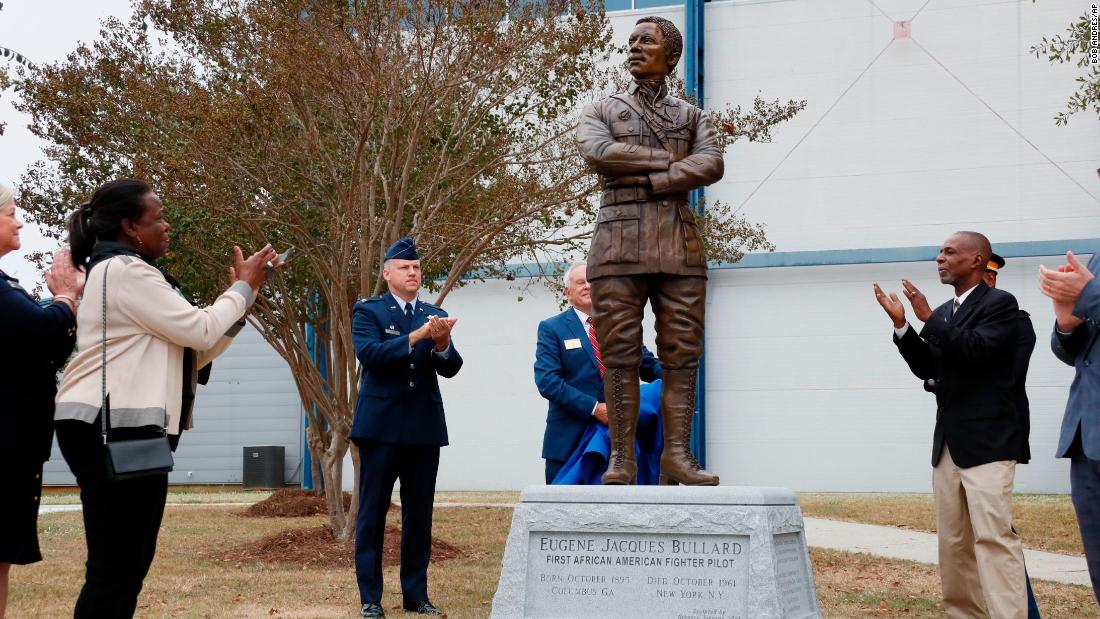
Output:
(403, 249)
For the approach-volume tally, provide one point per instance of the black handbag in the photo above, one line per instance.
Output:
(131, 459)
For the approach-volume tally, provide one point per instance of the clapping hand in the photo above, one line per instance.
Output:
(1063, 287)
(921, 309)
(437, 329)
(440, 331)
(894, 308)
(892, 304)
(253, 270)
(1066, 283)
(63, 278)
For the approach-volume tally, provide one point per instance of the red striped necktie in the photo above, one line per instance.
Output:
(595, 346)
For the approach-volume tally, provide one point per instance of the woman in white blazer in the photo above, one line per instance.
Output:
(156, 342)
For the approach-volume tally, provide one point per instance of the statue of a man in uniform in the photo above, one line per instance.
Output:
(650, 150)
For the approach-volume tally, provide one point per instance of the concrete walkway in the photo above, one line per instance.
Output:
(880, 541)
(57, 509)
(919, 546)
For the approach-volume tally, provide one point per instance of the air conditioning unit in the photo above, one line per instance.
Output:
(263, 466)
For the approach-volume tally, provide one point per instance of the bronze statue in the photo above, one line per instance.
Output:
(650, 149)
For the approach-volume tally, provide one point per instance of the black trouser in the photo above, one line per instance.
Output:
(553, 467)
(380, 465)
(121, 521)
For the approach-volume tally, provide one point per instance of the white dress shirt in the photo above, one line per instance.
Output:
(584, 317)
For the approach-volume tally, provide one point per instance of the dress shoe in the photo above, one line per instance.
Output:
(424, 607)
(372, 610)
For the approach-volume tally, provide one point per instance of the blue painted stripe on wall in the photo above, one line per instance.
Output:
(875, 255)
(881, 255)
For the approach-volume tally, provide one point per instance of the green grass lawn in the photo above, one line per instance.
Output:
(1044, 521)
(186, 582)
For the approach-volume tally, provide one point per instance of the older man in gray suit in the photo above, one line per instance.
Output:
(1076, 296)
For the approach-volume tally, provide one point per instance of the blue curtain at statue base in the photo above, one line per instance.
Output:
(588, 462)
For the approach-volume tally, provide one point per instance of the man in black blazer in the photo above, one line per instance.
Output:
(1025, 345)
(968, 347)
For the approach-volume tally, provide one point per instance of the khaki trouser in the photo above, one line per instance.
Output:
(981, 559)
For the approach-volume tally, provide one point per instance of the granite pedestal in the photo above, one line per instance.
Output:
(724, 552)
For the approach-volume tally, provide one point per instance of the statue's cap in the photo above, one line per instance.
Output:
(403, 249)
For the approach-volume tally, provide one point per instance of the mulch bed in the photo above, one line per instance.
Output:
(316, 547)
(292, 503)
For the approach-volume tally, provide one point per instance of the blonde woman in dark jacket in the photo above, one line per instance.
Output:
(37, 341)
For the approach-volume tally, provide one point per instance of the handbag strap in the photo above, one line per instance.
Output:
(103, 411)
(104, 407)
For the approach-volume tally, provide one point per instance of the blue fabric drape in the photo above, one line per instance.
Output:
(587, 463)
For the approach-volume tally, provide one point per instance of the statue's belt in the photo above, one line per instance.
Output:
(637, 193)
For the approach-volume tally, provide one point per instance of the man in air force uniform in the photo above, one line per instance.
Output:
(402, 344)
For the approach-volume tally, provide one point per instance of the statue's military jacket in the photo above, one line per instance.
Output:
(647, 228)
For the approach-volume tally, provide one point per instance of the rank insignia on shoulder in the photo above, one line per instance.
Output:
(624, 115)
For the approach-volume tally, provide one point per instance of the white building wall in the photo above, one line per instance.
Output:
(904, 139)
(806, 389)
(495, 416)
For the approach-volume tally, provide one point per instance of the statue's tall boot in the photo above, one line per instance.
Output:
(621, 392)
(678, 464)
